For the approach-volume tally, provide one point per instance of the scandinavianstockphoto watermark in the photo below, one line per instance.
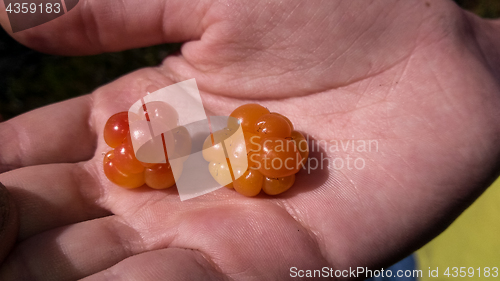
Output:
(342, 154)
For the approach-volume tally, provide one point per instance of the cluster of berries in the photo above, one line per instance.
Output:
(272, 150)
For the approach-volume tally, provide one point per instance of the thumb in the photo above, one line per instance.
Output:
(8, 222)
(97, 26)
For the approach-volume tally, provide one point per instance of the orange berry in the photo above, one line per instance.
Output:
(118, 177)
(239, 150)
(212, 146)
(272, 125)
(125, 159)
(116, 129)
(279, 157)
(159, 176)
(247, 116)
(250, 183)
(274, 186)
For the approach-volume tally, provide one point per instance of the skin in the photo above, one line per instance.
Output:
(421, 78)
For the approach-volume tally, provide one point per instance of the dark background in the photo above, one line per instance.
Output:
(29, 79)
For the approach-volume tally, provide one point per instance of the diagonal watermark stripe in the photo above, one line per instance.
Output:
(170, 125)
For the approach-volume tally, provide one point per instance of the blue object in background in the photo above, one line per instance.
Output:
(405, 264)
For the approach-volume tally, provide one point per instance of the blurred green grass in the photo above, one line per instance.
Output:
(29, 79)
(483, 8)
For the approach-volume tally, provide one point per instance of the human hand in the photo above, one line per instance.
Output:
(420, 78)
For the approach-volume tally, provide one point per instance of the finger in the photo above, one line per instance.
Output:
(59, 132)
(165, 264)
(72, 252)
(96, 26)
(242, 236)
(240, 244)
(53, 195)
(8, 222)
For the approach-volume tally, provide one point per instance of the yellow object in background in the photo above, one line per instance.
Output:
(472, 241)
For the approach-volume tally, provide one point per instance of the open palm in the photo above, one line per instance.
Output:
(415, 80)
